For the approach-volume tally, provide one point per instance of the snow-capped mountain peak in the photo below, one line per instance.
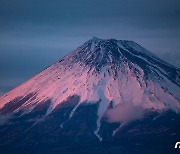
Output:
(103, 59)
(103, 72)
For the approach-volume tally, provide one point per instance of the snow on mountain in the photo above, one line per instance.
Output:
(110, 71)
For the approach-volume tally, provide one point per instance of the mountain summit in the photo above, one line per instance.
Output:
(99, 92)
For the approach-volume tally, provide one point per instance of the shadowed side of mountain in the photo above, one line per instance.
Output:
(77, 134)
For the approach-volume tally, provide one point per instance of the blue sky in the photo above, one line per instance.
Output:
(36, 33)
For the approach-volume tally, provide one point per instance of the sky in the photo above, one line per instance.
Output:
(36, 33)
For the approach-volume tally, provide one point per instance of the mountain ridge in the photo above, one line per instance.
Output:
(114, 82)
(92, 55)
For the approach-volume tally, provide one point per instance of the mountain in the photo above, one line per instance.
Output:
(107, 96)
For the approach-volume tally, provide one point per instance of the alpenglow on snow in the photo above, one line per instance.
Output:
(115, 74)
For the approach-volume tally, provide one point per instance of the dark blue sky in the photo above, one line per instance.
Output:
(35, 33)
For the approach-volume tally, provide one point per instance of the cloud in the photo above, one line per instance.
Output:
(125, 113)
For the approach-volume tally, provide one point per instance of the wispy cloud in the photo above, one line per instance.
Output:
(125, 112)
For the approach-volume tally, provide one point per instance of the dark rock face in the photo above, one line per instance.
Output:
(157, 132)
(16, 103)
(23, 132)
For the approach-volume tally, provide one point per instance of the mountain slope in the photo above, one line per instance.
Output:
(100, 88)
